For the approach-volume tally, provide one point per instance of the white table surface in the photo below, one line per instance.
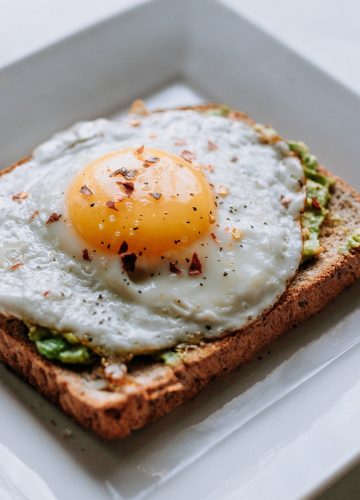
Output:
(327, 32)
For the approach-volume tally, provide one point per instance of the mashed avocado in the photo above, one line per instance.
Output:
(60, 347)
(169, 358)
(318, 195)
(65, 347)
(352, 243)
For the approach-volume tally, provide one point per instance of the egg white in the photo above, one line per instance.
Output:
(53, 286)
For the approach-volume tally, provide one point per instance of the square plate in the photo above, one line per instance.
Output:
(281, 426)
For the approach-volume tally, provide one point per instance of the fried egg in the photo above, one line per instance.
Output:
(143, 233)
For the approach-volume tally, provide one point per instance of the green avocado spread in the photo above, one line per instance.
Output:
(352, 243)
(60, 347)
(318, 194)
(169, 358)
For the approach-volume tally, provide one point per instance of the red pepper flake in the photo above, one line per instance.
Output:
(128, 186)
(128, 262)
(150, 161)
(85, 190)
(155, 195)
(188, 155)
(195, 265)
(111, 204)
(180, 142)
(285, 201)
(54, 217)
(212, 146)
(16, 266)
(46, 293)
(123, 248)
(33, 215)
(20, 196)
(174, 269)
(86, 255)
(208, 167)
(125, 172)
(139, 150)
(213, 235)
(316, 204)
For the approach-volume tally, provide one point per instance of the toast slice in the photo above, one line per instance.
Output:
(152, 388)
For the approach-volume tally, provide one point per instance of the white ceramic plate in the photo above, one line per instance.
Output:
(281, 426)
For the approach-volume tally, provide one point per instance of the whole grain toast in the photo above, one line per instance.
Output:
(152, 388)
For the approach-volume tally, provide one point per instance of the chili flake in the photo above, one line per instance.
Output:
(127, 173)
(111, 204)
(213, 235)
(152, 159)
(195, 265)
(139, 150)
(86, 255)
(85, 190)
(212, 146)
(315, 203)
(285, 201)
(20, 196)
(53, 217)
(188, 155)
(174, 269)
(128, 262)
(16, 266)
(123, 248)
(33, 215)
(128, 186)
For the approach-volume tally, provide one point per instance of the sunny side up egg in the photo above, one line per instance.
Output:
(139, 235)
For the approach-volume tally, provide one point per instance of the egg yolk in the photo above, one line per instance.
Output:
(143, 200)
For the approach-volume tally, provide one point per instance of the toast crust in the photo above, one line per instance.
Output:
(153, 389)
